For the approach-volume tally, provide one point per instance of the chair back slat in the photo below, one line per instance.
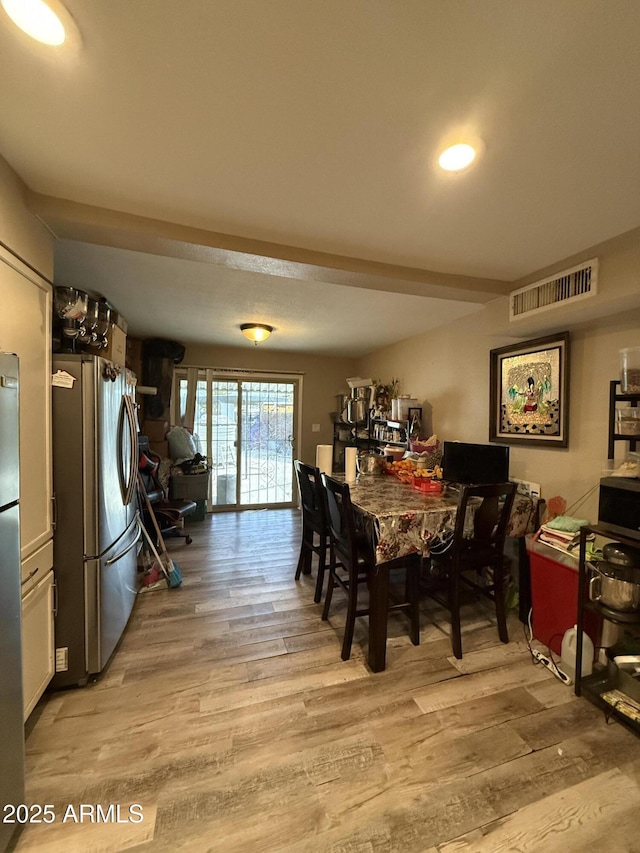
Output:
(315, 536)
(311, 496)
(340, 518)
(491, 507)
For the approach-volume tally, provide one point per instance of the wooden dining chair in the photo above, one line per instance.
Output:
(315, 535)
(477, 547)
(352, 562)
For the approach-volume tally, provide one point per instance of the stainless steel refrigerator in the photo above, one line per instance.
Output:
(12, 760)
(97, 532)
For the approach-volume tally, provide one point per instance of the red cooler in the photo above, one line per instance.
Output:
(554, 595)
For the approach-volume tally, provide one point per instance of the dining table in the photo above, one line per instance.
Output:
(401, 520)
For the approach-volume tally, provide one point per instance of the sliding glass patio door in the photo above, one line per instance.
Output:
(247, 428)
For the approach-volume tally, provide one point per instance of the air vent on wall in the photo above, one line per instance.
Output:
(570, 285)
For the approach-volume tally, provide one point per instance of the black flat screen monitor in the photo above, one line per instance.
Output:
(475, 463)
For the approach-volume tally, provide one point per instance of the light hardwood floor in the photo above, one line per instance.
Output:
(228, 715)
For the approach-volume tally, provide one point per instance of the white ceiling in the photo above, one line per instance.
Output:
(316, 126)
(325, 318)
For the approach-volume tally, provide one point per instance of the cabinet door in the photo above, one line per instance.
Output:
(25, 329)
(37, 642)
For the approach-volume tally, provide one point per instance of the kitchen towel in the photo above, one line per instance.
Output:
(350, 454)
(324, 458)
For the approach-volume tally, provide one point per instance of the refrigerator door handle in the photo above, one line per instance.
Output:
(127, 478)
(124, 487)
(133, 470)
(121, 554)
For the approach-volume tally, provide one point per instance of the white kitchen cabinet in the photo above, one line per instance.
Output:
(25, 329)
(37, 641)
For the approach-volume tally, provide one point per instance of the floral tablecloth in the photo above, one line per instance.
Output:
(404, 521)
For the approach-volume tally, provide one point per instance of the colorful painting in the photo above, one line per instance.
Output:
(529, 392)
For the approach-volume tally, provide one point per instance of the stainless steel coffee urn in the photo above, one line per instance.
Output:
(357, 406)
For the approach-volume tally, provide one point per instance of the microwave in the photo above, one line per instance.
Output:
(619, 505)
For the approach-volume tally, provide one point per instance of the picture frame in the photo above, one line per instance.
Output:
(529, 392)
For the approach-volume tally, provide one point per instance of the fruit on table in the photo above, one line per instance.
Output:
(404, 469)
(402, 465)
(408, 466)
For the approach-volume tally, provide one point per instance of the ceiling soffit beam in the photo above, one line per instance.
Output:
(89, 224)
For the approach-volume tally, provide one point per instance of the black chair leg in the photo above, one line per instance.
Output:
(306, 553)
(454, 604)
(187, 539)
(322, 560)
(301, 560)
(352, 606)
(498, 592)
(330, 587)
(413, 597)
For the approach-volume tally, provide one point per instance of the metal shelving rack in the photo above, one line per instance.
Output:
(395, 427)
(615, 397)
(341, 428)
(597, 683)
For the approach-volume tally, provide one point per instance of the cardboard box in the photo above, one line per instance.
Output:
(134, 356)
(116, 350)
(118, 320)
(160, 448)
(155, 430)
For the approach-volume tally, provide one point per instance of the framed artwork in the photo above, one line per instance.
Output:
(529, 392)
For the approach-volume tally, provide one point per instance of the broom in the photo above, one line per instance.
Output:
(158, 566)
(171, 569)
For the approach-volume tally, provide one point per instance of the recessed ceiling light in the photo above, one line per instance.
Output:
(457, 157)
(40, 20)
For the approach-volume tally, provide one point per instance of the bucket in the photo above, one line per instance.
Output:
(226, 489)
(568, 653)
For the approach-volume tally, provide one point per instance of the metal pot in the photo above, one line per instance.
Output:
(357, 410)
(341, 408)
(370, 463)
(618, 554)
(613, 587)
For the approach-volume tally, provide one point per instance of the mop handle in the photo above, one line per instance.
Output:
(153, 517)
(153, 548)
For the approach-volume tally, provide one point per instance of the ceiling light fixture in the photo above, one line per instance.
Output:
(47, 22)
(256, 332)
(457, 157)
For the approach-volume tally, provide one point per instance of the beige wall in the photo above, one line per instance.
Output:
(324, 377)
(20, 231)
(448, 370)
